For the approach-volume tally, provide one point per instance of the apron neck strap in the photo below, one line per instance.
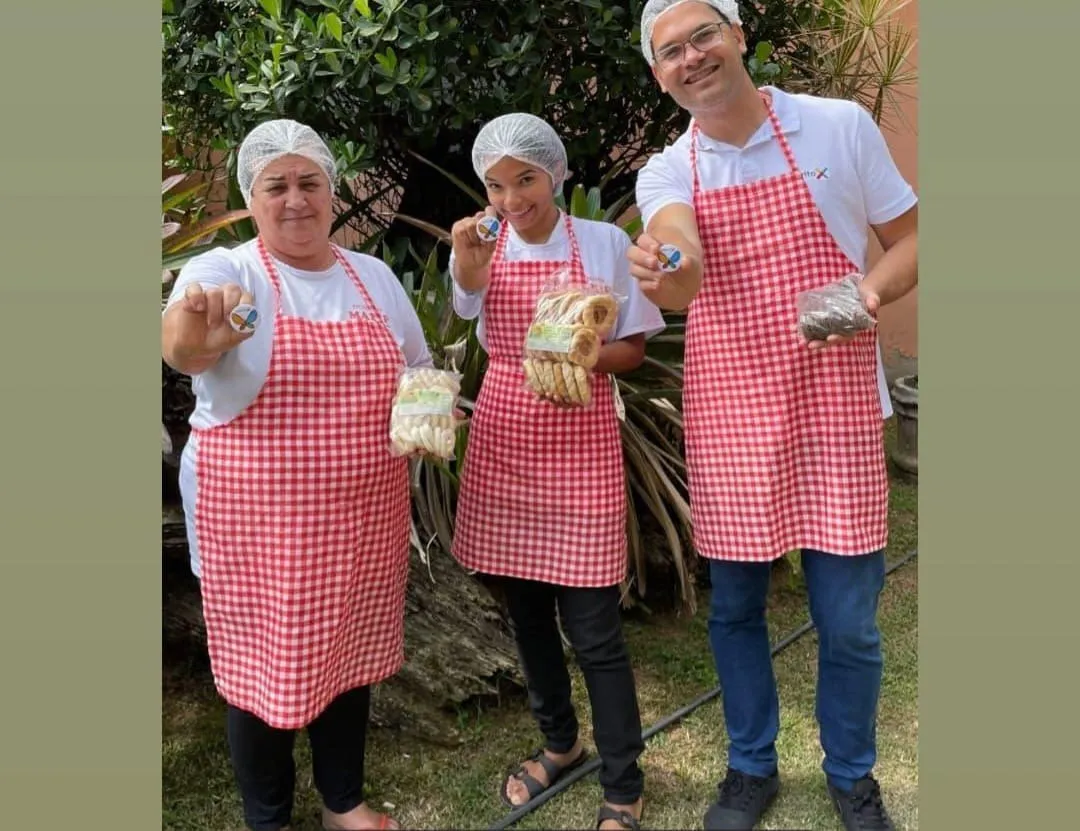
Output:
(576, 265)
(778, 134)
(339, 255)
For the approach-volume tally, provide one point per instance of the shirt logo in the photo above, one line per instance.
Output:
(816, 173)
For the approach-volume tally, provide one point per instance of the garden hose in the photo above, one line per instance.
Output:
(594, 764)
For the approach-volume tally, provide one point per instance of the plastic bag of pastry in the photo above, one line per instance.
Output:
(571, 321)
(422, 419)
(835, 309)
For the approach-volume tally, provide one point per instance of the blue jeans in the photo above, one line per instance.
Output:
(844, 595)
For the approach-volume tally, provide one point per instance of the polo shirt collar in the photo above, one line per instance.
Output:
(787, 112)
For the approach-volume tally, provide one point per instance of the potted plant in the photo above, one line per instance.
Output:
(905, 396)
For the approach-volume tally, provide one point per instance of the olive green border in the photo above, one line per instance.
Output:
(80, 596)
(999, 301)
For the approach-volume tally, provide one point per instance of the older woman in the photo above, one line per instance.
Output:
(298, 514)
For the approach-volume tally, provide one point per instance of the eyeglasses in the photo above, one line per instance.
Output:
(702, 40)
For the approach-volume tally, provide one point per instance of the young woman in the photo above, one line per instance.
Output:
(542, 506)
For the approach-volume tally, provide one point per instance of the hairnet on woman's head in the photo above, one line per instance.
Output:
(273, 139)
(654, 8)
(523, 137)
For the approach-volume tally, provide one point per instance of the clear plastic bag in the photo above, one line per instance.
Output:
(570, 324)
(423, 418)
(835, 309)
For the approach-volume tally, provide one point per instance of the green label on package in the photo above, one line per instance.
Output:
(549, 337)
(424, 402)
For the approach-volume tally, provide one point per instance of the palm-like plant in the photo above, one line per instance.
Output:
(185, 233)
(454, 346)
(858, 50)
(656, 485)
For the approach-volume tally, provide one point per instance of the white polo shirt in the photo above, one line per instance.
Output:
(227, 389)
(840, 151)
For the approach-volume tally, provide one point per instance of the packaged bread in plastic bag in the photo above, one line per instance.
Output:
(570, 324)
(834, 309)
(423, 419)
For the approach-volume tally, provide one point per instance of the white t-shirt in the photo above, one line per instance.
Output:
(227, 389)
(840, 150)
(603, 249)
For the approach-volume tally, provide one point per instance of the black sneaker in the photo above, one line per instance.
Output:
(742, 801)
(862, 808)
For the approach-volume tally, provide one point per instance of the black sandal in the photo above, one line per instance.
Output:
(624, 818)
(532, 785)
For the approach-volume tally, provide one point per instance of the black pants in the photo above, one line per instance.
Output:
(590, 618)
(262, 758)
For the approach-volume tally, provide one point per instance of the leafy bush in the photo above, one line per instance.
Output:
(382, 79)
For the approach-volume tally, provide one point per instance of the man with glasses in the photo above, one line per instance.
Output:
(767, 195)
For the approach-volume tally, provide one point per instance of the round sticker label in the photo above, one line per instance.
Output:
(669, 257)
(244, 318)
(488, 228)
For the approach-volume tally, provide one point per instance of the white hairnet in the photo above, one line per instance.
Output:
(273, 139)
(523, 137)
(655, 8)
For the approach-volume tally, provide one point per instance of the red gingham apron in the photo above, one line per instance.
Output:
(302, 520)
(784, 445)
(542, 489)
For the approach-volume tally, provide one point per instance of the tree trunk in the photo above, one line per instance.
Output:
(458, 644)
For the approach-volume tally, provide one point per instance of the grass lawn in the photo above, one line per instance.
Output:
(434, 787)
